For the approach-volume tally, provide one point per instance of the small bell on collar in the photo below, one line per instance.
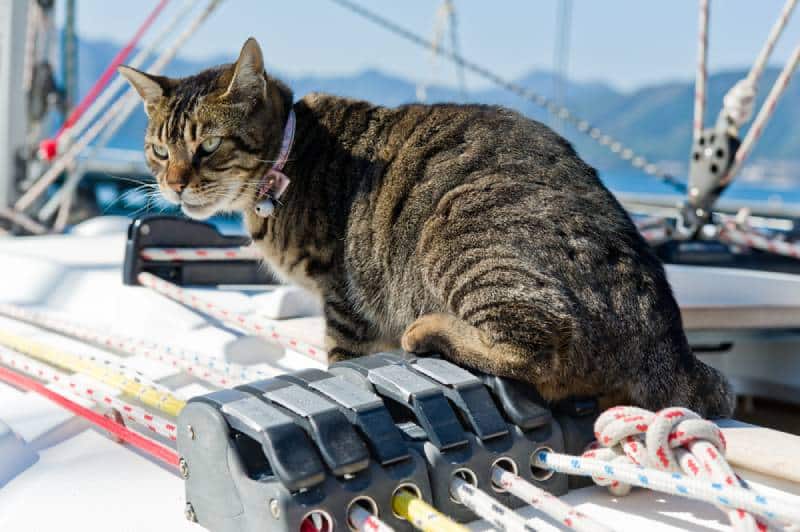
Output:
(265, 207)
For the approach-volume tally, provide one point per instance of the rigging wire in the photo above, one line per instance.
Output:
(455, 45)
(624, 152)
(124, 104)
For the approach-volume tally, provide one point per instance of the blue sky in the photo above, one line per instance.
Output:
(628, 43)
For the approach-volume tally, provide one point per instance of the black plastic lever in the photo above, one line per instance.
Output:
(468, 394)
(520, 401)
(290, 454)
(363, 409)
(341, 447)
(392, 379)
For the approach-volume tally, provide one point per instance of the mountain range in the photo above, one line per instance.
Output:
(654, 120)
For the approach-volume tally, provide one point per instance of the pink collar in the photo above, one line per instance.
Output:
(275, 182)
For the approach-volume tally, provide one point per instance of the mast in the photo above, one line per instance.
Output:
(13, 103)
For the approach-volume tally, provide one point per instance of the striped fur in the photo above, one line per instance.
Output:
(466, 230)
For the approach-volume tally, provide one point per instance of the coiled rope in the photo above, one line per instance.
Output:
(640, 448)
(674, 439)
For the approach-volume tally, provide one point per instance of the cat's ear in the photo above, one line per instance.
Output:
(248, 71)
(151, 88)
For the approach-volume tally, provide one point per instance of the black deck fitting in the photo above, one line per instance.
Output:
(158, 231)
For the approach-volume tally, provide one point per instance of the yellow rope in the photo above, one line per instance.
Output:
(422, 515)
(158, 399)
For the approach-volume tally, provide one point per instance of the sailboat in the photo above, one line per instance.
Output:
(154, 377)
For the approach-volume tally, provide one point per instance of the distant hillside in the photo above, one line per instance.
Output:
(654, 120)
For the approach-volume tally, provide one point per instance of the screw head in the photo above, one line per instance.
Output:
(275, 509)
(183, 467)
(188, 512)
(145, 229)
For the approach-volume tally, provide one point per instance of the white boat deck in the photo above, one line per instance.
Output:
(85, 481)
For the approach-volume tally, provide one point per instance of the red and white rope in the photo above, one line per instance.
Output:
(120, 431)
(764, 114)
(129, 412)
(673, 439)
(60, 197)
(204, 367)
(545, 502)
(365, 521)
(270, 330)
(193, 254)
(702, 71)
(734, 497)
(125, 104)
(100, 84)
(488, 508)
(728, 232)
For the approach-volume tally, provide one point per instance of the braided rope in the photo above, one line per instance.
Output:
(194, 254)
(122, 369)
(487, 508)
(545, 502)
(674, 439)
(270, 330)
(364, 521)
(123, 433)
(163, 401)
(763, 57)
(210, 369)
(701, 76)
(636, 447)
(153, 423)
(422, 515)
(764, 115)
(728, 232)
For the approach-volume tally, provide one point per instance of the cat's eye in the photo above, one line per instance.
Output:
(210, 144)
(159, 151)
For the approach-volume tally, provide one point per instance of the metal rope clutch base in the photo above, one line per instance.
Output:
(274, 453)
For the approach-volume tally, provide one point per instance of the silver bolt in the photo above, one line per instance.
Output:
(275, 509)
(188, 512)
(183, 467)
(190, 431)
(145, 229)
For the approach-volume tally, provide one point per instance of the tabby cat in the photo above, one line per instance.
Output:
(465, 230)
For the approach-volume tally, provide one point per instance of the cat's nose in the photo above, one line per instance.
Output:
(177, 186)
(178, 177)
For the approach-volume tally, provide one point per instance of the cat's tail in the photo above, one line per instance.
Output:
(705, 390)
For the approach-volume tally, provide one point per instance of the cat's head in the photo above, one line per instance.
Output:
(210, 137)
